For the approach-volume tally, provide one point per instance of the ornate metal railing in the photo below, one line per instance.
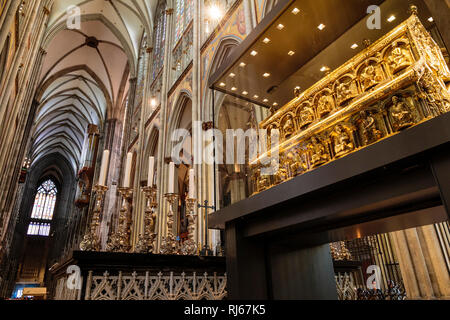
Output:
(396, 83)
(146, 287)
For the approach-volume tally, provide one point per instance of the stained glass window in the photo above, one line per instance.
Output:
(159, 40)
(43, 208)
(183, 17)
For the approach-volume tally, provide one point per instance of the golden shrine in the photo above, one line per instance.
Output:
(398, 82)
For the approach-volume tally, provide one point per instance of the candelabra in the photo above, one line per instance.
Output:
(90, 240)
(189, 247)
(146, 240)
(120, 240)
(169, 244)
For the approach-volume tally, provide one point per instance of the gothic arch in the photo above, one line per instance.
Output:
(59, 169)
(224, 49)
(182, 105)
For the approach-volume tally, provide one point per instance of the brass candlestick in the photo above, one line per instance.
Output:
(120, 240)
(189, 247)
(146, 240)
(90, 240)
(169, 244)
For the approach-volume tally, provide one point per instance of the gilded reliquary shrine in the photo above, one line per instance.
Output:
(397, 82)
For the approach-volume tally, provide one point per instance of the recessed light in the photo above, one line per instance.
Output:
(266, 100)
(233, 89)
(391, 18)
(354, 46)
(280, 27)
(266, 40)
(291, 53)
(244, 93)
(324, 69)
(256, 96)
(232, 75)
(275, 104)
(242, 64)
(297, 88)
(321, 26)
(266, 75)
(430, 19)
(296, 11)
(253, 53)
(222, 84)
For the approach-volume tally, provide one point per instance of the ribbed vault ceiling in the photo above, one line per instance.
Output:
(85, 73)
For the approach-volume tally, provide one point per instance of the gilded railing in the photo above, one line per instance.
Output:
(396, 83)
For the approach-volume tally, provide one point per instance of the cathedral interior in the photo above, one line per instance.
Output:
(225, 149)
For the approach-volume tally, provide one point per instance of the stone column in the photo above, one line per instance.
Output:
(112, 142)
(7, 20)
(162, 172)
(422, 263)
(139, 199)
(13, 149)
(197, 111)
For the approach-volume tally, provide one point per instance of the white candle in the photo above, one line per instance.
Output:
(151, 169)
(171, 177)
(191, 184)
(104, 168)
(126, 183)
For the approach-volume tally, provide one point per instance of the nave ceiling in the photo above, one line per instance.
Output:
(85, 73)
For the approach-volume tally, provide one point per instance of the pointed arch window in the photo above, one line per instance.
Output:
(183, 17)
(43, 209)
(159, 40)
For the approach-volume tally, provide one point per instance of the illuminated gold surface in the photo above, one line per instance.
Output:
(397, 82)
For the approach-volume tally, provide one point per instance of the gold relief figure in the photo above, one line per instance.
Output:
(342, 142)
(318, 152)
(344, 92)
(435, 95)
(306, 116)
(369, 128)
(262, 182)
(370, 77)
(288, 127)
(401, 114)
(295, 162)
(324, 106)
(399, 58)
(280, 173)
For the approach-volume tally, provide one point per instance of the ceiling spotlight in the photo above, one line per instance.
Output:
(295, 11)
(275, 104)
(253, 53)
(256, 96)
(222, 84)
(266, 100)
(354, 46)
(232, 75)
(430, 19)
(244, 93)
(391, 18)
(233, 89)
(266, 40)
(266, 75)
(153, 102)
(242, 64)
(321, 26)
(280, 27)
(291, 53)
(324, 69)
